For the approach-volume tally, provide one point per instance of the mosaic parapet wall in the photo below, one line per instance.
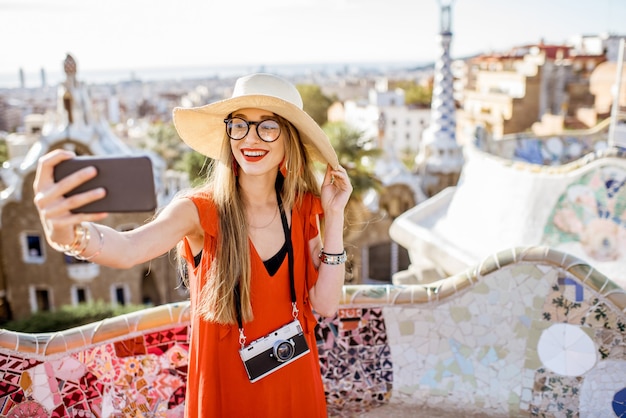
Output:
(582, 210)
(589, 218)
(529, 331)
(549, 150)
(577, 208)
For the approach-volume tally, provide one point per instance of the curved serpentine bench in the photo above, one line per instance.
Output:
(578, 208)
(528, 331)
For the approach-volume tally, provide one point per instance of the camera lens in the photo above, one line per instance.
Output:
(283, 350)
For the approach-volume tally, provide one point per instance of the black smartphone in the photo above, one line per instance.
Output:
(128, 181)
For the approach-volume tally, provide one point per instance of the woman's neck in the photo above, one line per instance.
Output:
(257, 190)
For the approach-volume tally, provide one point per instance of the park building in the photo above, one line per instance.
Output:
(33, 276)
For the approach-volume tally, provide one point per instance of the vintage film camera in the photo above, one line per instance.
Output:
(274, 351)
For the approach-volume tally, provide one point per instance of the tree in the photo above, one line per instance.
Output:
(316, 104)
(414, 94)
(4, 151)
(164, 140)
(356, 153)
(195, 165)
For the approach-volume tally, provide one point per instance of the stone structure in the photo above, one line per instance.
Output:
(530, 86)
(33, 276)
(526, 332)
(440, 160)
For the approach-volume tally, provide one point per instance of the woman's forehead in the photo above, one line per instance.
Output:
(252, 112)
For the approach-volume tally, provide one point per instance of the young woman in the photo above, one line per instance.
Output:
(258, 263)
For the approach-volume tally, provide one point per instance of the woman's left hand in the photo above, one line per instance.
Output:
(336, 190)
(326, 293)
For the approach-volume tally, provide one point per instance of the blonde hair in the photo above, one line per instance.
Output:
(217, 296)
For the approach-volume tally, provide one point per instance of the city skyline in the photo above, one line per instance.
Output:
(160, 34)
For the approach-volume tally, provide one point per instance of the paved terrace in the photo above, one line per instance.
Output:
(526, 332)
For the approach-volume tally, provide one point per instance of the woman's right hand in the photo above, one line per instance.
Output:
(54, 208)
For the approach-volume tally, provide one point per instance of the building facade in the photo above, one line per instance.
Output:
(509, 93)
(33, 276)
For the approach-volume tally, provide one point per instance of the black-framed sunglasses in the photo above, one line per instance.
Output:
(237, 128)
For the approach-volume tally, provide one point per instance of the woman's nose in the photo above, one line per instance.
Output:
(252, 136)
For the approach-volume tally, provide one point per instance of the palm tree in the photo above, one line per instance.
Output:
(357, 154)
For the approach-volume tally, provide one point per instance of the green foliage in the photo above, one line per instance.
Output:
(69, 317)
(4, 151)
(316, 104)
(414, 94)
(195, 165)
(407, 157)
(164, 140)
(356, 153)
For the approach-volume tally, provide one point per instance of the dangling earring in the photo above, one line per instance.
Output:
(283, 168)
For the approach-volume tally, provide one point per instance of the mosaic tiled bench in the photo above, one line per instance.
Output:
(527, 332)
(578, 208)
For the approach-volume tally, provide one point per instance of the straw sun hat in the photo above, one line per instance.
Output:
(203, 129)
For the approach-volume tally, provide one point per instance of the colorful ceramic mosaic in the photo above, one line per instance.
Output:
(551, 150)
(528, 332)
(592, 213)
(355, 360)
(556, 150)
(140, 376)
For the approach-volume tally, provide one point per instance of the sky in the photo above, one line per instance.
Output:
(134, 34)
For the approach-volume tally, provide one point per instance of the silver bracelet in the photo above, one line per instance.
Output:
(332, 259)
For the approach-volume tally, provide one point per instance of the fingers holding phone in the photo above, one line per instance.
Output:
(127, 181)
(70, 189)
(55, 209)
(53, 194)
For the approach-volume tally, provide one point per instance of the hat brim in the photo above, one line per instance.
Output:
(202, 128)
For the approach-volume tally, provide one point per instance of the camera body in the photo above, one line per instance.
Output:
(274, 351)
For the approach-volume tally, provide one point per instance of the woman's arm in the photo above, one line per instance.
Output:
(326, 293)
(126, 249)
(106, 246)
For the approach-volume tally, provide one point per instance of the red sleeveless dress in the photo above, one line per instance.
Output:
(217, 383)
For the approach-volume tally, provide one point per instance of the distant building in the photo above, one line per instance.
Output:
(394, 128)
(386, 118)
(33, 276)
(602, 85)
(509, 93)
(10, 115)
(601, 44)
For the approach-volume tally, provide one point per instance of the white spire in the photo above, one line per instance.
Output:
(440, 152)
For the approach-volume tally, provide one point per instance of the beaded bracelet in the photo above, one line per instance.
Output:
(332, 259)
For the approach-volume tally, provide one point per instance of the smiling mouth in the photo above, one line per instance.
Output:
(254, 155)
